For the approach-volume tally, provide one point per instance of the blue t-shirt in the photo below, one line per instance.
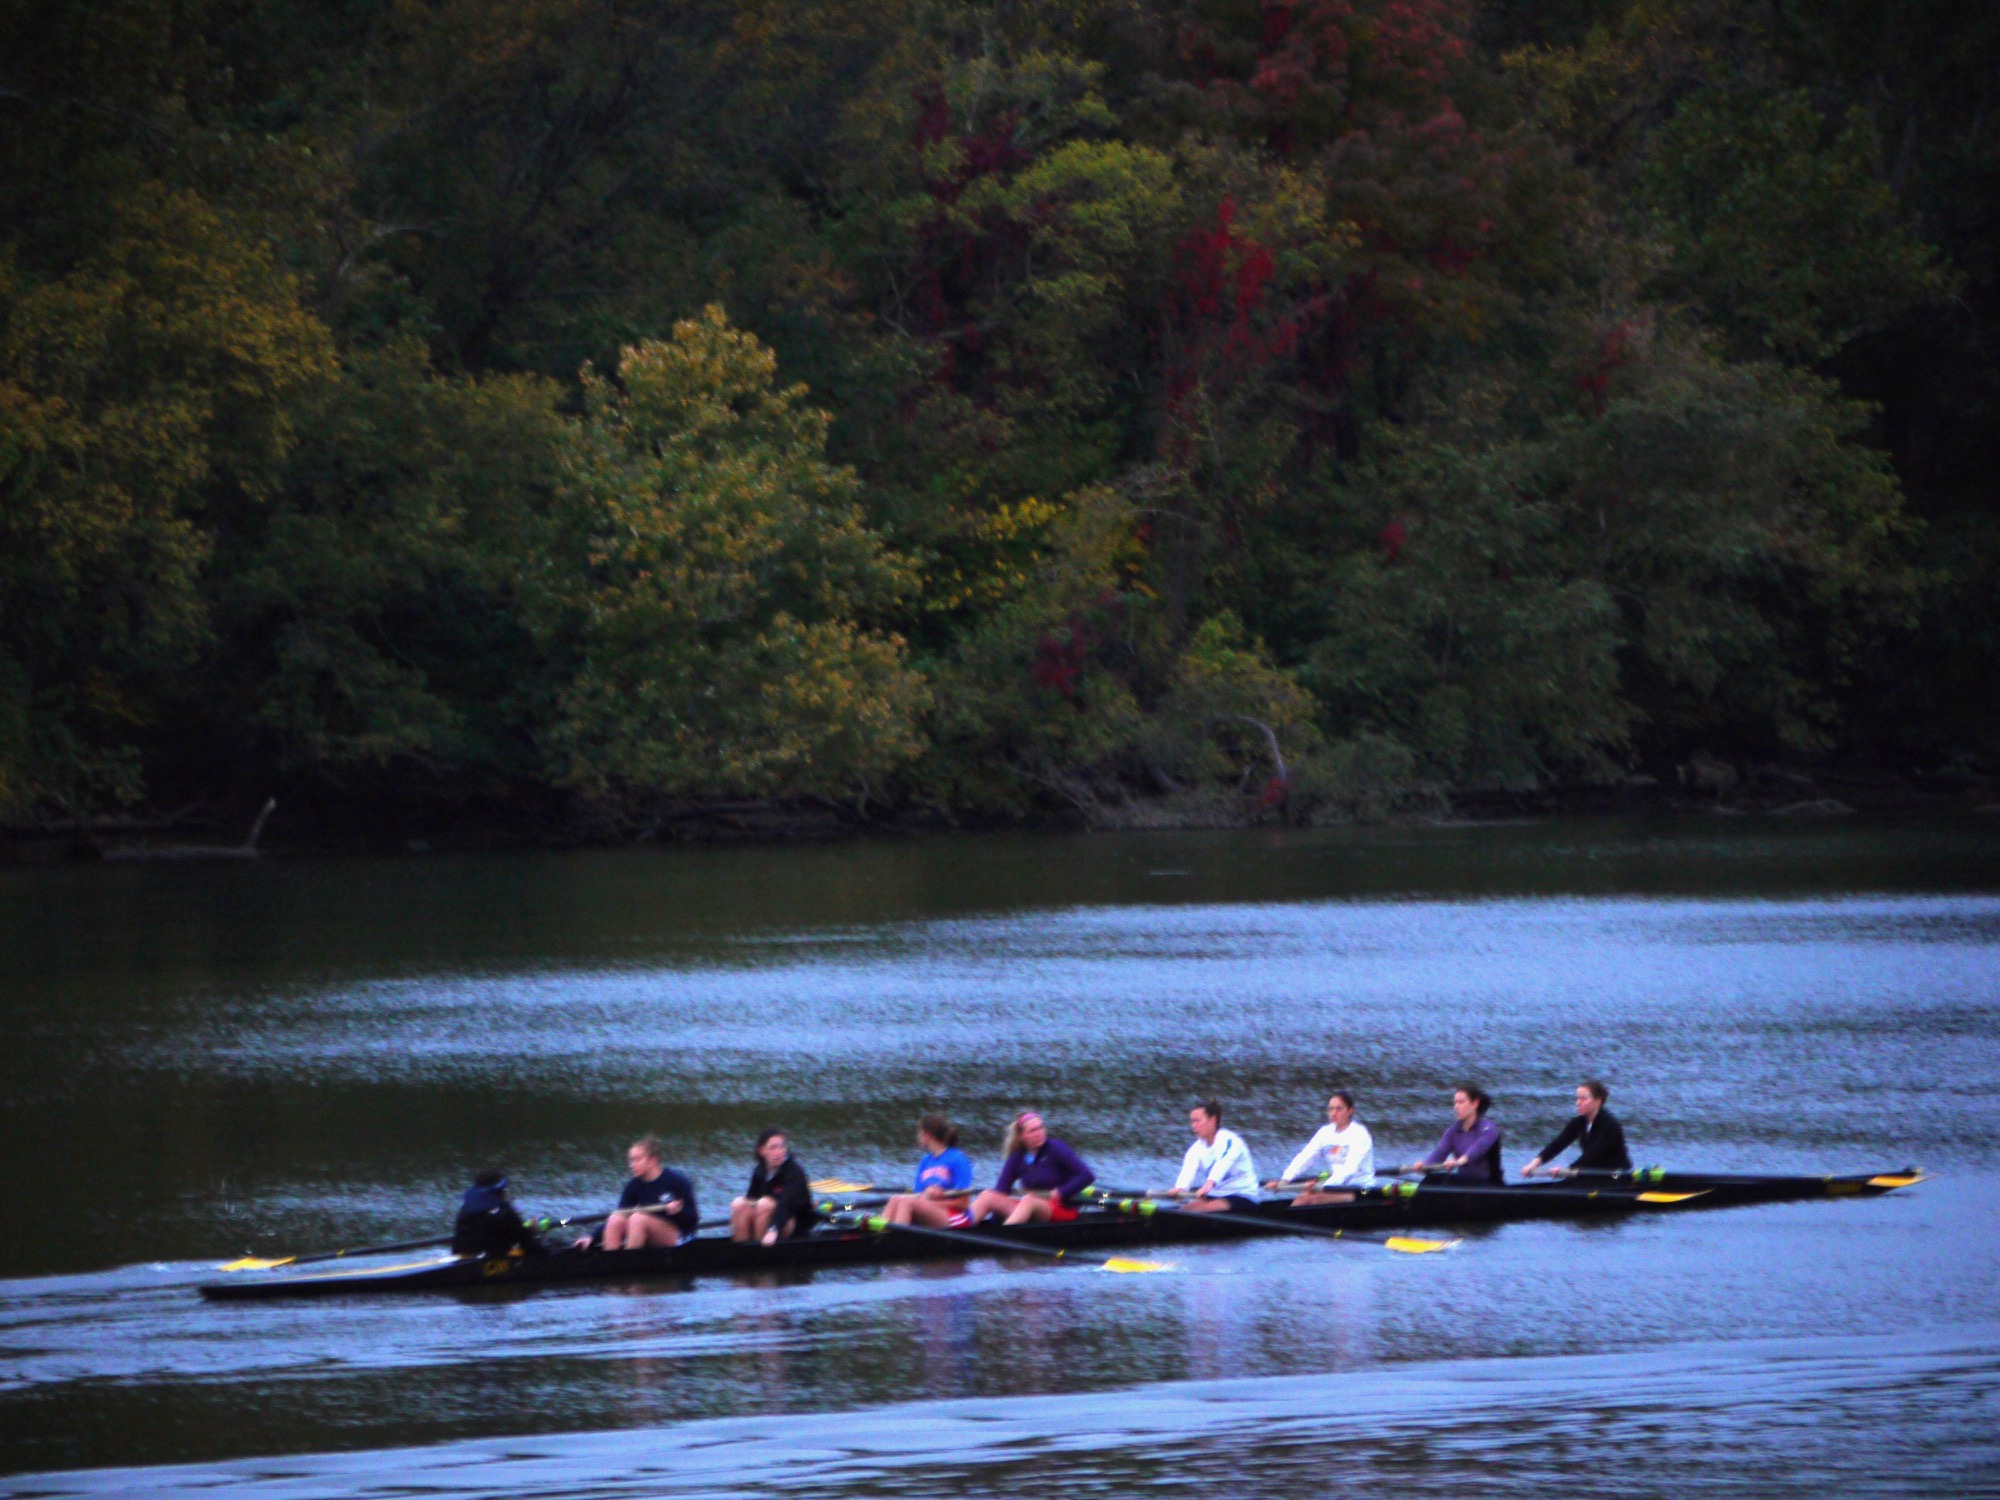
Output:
(950, 1169)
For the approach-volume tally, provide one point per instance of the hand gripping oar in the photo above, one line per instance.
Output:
(880, 1225)
(1405, 1244)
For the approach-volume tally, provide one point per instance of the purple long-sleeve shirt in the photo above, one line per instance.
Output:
(1480, 1146)
(1053, 1169)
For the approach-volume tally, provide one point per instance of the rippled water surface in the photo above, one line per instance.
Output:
(201, 1061)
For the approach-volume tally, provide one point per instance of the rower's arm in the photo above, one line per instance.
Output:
(1296, 1172)
(1077, 1179)
(1564, 1138)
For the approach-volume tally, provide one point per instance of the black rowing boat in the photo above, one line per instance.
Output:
(1108, 1223)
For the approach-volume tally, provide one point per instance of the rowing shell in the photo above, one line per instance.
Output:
(1113, 1224)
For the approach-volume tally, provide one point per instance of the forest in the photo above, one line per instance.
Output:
(594, 418)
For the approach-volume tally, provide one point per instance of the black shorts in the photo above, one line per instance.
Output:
(1241, 1205)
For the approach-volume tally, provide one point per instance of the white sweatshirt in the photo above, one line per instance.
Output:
(1222, 1165)
(1348, 1156)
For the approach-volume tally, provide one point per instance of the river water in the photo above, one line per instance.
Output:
(204, 1060)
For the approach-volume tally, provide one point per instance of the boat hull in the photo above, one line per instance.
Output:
(1112, 1224)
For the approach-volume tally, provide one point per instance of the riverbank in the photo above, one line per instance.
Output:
(313, 821)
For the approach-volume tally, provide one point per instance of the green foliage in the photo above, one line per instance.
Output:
(381, 615)
(721, 638)
(1030, 702)
(1425, 394)
(1711, 550)
(1792, 241)
(143, 396)
(1463, 634)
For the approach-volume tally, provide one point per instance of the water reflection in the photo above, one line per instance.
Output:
(313, 1055)
(1802, 1417)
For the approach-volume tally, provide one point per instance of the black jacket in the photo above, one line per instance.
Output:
(489, 1225)
(1603, 1141)
(795, 1213)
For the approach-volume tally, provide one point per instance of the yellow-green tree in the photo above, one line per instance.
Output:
(142, 396)
(723, 642)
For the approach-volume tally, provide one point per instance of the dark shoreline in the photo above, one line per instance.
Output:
(313, 824)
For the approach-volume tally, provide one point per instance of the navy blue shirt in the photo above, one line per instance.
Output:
(639, 1193)
(489, 1225)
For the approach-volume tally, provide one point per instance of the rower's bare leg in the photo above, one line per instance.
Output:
(761, 1213)
(900, 1208)
(1206, 1205)
(992, 1201)
(651, 1229)
(742, 1219)
(1031, 1209)
(614, 1231)
(1309, 1200)
(934, 1212)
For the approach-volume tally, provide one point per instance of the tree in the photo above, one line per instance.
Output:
(1782, 229)
(721, 642)
(145, 398)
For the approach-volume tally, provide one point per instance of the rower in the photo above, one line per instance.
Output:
(488, 1223)
(1219, 1162)
(1593, 1128)
(1341, 1154)
(778, 1204)
(1469, 1151)
(944, 1178)
(1050, 1177)
(657, 1206)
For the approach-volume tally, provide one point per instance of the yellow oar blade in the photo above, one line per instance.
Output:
(1671, 1197)
(1119, 1263)
(1412, 1246)
(840, 1185)
(253, 1263)
(1897, 1179)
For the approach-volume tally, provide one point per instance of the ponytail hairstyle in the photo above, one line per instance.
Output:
(939, 1129)
(1012, 1143)
(1478, 1096)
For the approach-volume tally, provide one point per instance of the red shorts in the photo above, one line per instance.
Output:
(1061, 1213)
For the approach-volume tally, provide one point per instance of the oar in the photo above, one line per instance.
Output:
(540, 1226)
(1908, 1177)
(1403, 1243)
(880, 1225)
(260, 1263)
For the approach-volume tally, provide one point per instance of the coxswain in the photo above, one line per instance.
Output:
(1040, 1180)
(1594, 1129)
(778, 1204)
(1469, 1152)
(656, 1208)
(488, 1223)
(1217, 1173)
(943, 1179)
(1341, 1154)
